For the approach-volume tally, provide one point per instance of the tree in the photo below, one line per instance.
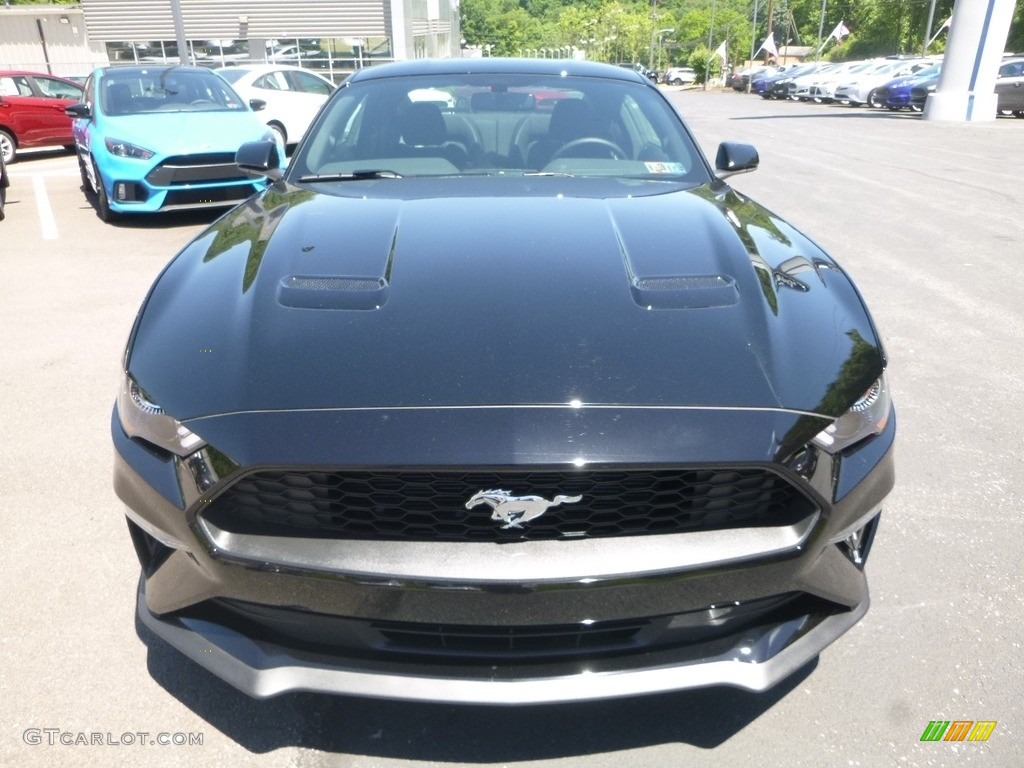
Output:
(622, 30)
(502, 24)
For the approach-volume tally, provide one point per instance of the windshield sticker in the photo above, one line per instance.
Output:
(665, 167)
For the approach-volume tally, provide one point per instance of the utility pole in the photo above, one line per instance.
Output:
(928, 29)
(711, 32)
(654, 26)
(753, 40)
(179, 32)
(821, 31)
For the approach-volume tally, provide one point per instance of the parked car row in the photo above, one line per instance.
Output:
(32, 104)
(160, 137)
(739, 81)
(893, 83)
(849, 82)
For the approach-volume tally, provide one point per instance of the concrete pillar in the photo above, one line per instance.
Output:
(977, 35)
(401, 31)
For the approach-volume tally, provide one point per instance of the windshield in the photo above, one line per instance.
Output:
(489, 124)
(931, 71)
(166, 89)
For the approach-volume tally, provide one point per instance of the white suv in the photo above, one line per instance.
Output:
(680, 76)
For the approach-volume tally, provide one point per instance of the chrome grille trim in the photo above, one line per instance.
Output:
(531, 562)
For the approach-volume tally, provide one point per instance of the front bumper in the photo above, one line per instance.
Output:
(851, 94)
(134, 186)
(763, 657)
(897, 99)
(436, 630)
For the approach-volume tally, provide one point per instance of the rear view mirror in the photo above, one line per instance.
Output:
(259, 158)
(78, 111)
(735, 158)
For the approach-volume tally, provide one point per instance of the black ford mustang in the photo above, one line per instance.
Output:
(499, 394)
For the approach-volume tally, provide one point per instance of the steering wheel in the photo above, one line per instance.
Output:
(612, 148)
(198, 102)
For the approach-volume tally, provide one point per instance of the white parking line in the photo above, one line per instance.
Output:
(51, 170)
(47, 222)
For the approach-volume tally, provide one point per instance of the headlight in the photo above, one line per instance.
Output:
(125, 149)
(866, 417)
(142, 418)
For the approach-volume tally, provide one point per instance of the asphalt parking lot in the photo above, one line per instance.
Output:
(925, 216)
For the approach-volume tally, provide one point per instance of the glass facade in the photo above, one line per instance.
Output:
(334, 57)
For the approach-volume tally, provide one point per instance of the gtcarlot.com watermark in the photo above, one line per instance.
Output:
(53, 737)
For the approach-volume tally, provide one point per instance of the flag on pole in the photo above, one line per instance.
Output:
(839, 32)
(720, 52)
(768, 46)
(945, 25)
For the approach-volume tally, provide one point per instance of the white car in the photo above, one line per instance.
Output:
(680, 76)
(821, 86)
(293, 95)
(863, 88)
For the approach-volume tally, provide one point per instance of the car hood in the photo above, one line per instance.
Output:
(922, 80)
(411, 293)
(178, 133)
(901, 82)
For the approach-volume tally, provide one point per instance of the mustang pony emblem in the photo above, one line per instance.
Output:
(514, 510)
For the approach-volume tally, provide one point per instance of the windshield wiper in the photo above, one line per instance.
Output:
(351, 176)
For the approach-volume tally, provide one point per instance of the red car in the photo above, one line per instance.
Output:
(32, 111)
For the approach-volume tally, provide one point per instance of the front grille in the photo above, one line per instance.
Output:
(313, 632)
(430, 505)
(195, 169)
(551, 639)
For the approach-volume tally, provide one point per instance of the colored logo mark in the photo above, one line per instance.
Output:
(958, 730)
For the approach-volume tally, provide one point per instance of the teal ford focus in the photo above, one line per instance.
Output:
(159, 138)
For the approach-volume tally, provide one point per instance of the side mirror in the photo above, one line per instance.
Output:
(78, 111)
(735, 158)
(259, 158)
(257, 104)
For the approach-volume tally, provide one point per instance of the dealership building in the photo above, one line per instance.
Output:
(337, 36)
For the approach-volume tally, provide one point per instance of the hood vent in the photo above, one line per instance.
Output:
(684, 292)
(333, 292)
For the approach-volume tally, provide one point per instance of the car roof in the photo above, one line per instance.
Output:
(30, 73)
(497, 66)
